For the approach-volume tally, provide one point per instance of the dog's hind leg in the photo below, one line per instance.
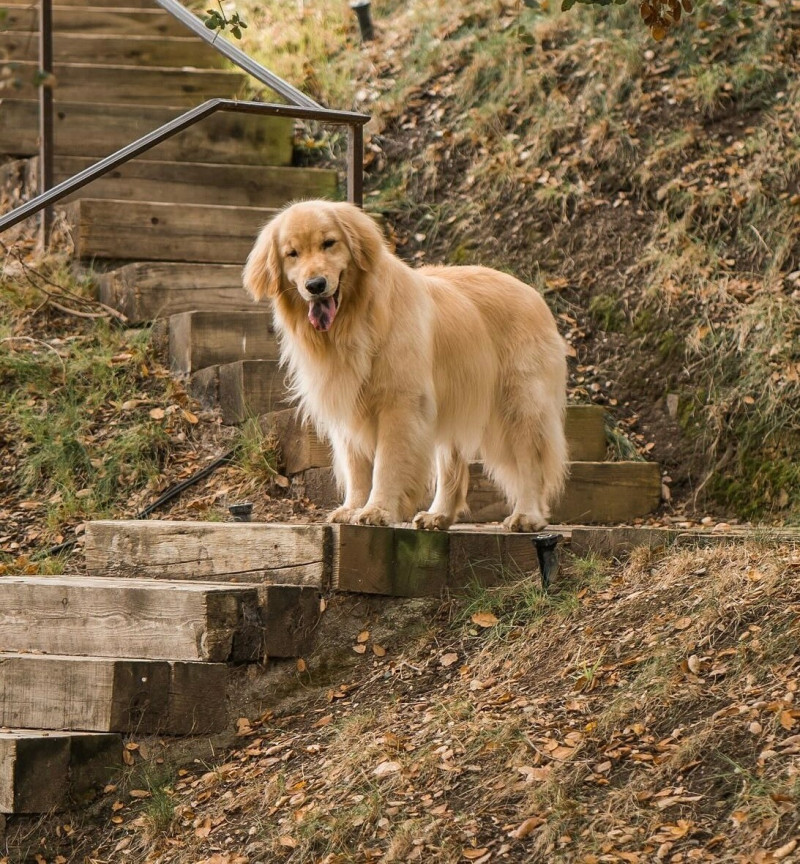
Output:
(527, 458)
(450, 501)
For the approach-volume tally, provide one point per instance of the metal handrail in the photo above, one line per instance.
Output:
(300, 106)
(291, 94)
(354, 121)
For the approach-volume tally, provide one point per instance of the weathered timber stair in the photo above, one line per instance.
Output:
(144, 644)
(87, 660)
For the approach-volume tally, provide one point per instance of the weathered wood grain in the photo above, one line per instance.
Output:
(138, 618)
(301, 448)
(585, 428)
(249, 552)
(404, 562)
(100, 129)
(249, 388)
(596, 492)
(203, 338)
(158, 231)
(228, 184)
(43, 771)
(113, 49)
(111, 695)
(97, 20)
(131, 85)
(144, 291)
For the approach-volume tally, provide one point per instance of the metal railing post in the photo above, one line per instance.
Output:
(355, 164)
(45, 79)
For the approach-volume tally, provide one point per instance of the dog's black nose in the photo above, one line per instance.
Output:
(317, 285)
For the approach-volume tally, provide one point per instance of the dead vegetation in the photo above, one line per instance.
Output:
(643, 712)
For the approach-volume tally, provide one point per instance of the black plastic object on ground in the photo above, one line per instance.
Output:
(547, 552)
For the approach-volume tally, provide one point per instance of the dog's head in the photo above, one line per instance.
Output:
(313, 254)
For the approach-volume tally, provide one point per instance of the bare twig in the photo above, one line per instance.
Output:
(32, 275)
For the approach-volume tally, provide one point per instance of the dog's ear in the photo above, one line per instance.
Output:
(362, 235)
(262, 273)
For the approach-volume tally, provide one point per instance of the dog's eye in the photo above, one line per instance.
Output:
(292, 253)
(326, 244)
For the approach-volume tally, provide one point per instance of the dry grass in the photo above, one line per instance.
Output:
(651, 717)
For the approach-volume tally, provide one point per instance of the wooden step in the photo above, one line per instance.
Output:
(405, 562)
(99, 694)
(301, 448)
(125, 50)
(200, 182)
(129, 85)
(246, 552)
(136, 618)
(242, 390)
(596, 492)
(351, 558)
(42, 770)
(116, 21)
(124, 4)
(144, 291)
(200, 339)
(157, 231)
(100, 129)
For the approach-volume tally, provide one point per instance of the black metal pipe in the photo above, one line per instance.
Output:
(45, 75)
(362, 10)
(291, 94)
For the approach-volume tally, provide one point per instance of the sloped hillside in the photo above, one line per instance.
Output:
(651, 190)
(641, 713)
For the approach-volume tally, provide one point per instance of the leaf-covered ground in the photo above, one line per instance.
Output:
(643, 712)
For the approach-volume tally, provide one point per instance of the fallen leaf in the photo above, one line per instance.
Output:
(157, 413)
(360, 649)
(378, 650)
(301, 665)
(448, 659)
(484, 619)
(527, 827)
(139, 793)
(387, 768)
(474, 854)
(363, 636)
(204, 828)
(189, 417)
(683, 623)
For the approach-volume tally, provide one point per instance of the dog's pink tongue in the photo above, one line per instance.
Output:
(321, 313)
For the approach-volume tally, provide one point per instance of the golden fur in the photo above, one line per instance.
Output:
(405, 368)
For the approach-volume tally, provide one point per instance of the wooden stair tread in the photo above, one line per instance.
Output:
(301, 448)
(144, 291)
(239, 551)
(116, 20)
(158, 231)
(174, 51)
(198, 339)
(130, 85)
(213, 183)
(135, 618)
(44, 770)
(595, 492)
(109, 694)
(101, 128)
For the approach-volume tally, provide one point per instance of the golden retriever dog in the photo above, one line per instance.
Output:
(406, 369)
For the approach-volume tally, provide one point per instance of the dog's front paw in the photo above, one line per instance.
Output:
(372, 515)
(343, 515)
(432, 521)
(525, 522)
